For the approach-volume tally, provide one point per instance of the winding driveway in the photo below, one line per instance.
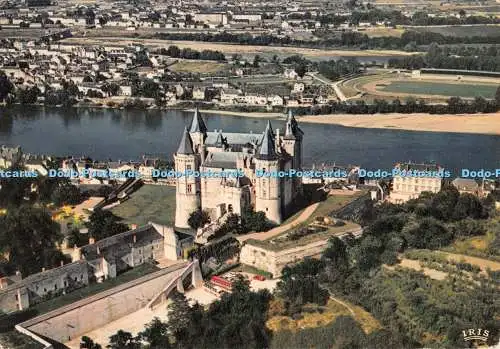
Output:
(282, 228)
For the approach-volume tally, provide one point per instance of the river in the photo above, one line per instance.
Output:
(127, 134)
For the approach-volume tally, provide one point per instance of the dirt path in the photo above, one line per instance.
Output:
(415, 265)
(484, 264)
(345, 305)
(282, 228)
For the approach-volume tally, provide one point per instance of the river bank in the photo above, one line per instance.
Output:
(459, 123)
(488, 124)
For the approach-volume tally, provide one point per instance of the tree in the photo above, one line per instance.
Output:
(468, 205)
(254, 221)
(256, 61)
(68, 194)
(6, 87)
(75, 238)
(198, 219)
(156, 334)
(301, 70)
(179, 313)
(300, 285)
(102, 224)
(88, 343)
(122, 340)
(16, 190)
(428, 233)
(29, 236)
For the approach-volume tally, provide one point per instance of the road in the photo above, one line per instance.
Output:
(282, 228)
(334, 85)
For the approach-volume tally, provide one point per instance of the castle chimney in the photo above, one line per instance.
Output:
(98, 250)
(62, 263)
(135, 238)
(43, 269)
(91, 240)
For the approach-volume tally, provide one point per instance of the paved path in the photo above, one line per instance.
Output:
(282, 228)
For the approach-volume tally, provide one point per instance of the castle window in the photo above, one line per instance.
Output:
(189, 188)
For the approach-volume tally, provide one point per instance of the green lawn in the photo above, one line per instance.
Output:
(154, 203)
(443, 89)
(93, 289)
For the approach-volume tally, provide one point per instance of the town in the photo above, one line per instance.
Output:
(244, 174)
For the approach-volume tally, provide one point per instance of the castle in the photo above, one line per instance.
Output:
(242, 153)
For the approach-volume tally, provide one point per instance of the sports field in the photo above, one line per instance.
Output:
(441, 89)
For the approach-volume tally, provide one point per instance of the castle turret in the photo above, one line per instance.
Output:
(188, 186)
(292, 143)
(198, 133)
(268, 188)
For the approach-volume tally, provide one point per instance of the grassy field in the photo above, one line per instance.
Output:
(442, 89)
(475, 246)
(384, 31)
(194, 66)
(154, 203)
(93, 289)
(317, 316)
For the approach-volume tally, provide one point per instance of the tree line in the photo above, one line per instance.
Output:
(465, 58)
(188, 53)
(454, 105)
(329, 39)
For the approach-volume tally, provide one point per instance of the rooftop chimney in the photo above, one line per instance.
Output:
(135, 238)
(62, 263)
(43, 269)
(91, 241)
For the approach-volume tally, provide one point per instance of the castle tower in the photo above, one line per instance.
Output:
(198, 133)
(268, 188)
(188, 186)
(292, 143)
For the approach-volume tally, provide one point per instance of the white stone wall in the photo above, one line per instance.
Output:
(275, 261)
(268, 191)
(187, 189)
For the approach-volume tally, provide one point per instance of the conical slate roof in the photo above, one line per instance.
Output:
(186, 145)
(267, 149)
(292, 129)
(198, 125)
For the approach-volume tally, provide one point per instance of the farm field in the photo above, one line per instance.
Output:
(441, 89)
(195, 66)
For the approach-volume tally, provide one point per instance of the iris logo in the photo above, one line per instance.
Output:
(473, 334)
